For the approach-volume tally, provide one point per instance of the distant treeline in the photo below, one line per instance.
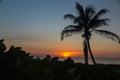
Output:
(16, 64)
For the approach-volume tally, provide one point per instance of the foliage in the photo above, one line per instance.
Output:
(16, 64)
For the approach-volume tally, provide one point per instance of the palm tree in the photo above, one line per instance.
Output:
(86, 22)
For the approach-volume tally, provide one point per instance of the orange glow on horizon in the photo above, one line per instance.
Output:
(63, 54)
(69, 54)
(66, 54)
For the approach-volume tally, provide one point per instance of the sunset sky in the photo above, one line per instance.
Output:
(36, 25)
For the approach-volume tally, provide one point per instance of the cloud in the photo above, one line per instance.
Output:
(19, 38)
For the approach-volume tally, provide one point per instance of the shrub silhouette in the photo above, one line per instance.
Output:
(2, 46)
(17, 64)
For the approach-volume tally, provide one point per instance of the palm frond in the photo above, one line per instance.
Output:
(69, 31)
(73, 18)
(99, 23)
(100, 13)
(89, 11)
(108, 35)
(96, 22)
(77, 20)
(80, 9)
(73, 27)
(69, 16)
(80, 20)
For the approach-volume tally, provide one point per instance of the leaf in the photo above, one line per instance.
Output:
(109, 35)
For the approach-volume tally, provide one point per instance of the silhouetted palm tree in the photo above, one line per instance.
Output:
(86, 22)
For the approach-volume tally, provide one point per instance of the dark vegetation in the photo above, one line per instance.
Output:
(16, 64)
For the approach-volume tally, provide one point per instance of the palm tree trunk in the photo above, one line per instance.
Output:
(85, 49)
(91, 52)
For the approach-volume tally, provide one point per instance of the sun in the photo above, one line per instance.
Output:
(66, 54)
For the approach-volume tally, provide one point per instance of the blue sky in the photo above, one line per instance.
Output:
(35, 25)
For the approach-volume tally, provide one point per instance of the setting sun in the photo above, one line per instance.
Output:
(66, 54)
(69, 54)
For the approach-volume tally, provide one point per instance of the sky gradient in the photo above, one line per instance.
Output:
(36, 25)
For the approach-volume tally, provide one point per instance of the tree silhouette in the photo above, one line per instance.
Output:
(17, 64)
(86, 22)
(2, 46)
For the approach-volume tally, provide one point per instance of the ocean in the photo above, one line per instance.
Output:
(101, 60)
(98, 60)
